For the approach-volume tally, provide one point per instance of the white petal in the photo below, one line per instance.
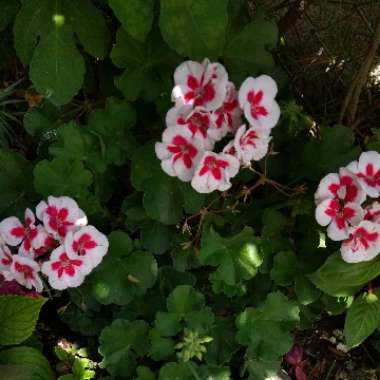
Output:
(245, 87)
(188, 68)
(335, 233)
(6, 227)
(161, 151)
(320, 213)
(40, 209)
(266, 84)
(323, 190)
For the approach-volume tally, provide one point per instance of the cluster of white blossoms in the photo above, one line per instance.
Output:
(343, 205)
(208, 108)
(60, 245)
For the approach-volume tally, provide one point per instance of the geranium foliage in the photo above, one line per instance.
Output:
(166, 199)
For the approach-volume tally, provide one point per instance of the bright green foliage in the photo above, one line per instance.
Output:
(135, 16)
(121, 343)
(194, 28)
(236, 258)
(61, 176)
(266, 331)
(56, 66)
(362, 319)
(351, 276)
(29, 360)
(124, 273)
(18, 316)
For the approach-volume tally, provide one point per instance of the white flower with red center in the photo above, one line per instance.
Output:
(214, 172)
(372, 212)
(87, 244)
(343, 186)
(25, 271)
(179, 153)
(63, 270)
(257, 99)
(30, 236)
(363, 243)
(60, 215)
(5, 262)
(227, 118)
(251, 144)
(197, 121)
(338, 216)
(367, 169)
(200, 84)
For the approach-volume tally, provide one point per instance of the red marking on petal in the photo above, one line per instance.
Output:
(25, 269)
(192, 82)
(17, 232)
(216, 173)
(187, 161)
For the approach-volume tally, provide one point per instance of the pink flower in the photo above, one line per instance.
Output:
(372, 212)
(25, 271)
(343, 186)
(60, 215)
(363, 243)
(200, 84)
(256, 98)
(338, 216)
(179, 153)
(367, 169)
(197, 121)
(294, 358)
(249, 145)
(87, 244)
(30, 236)
(214, 172)
(63, 270)
(227, 118)
(5, 261)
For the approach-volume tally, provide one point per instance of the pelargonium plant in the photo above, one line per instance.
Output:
(346, 204)
(57, 244)
(207, 109)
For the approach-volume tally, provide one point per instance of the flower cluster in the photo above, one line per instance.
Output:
(208, 108)
(342, 205)
(58, 243)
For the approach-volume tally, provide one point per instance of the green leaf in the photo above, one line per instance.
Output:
(123, 273)
(15, 172)
(248, 52)
(362, 319)
(175, 371)
(306, 291)
(156, 237)
(111, 127)
(61, 176)
(185, 299)
(168, 324)
(351, 276)
(30, 358)
(56, 66)
(284, 268)
(161, 348)
(266, 330)
(16, 372)
(135, 16)
(194, 28)
(18, 317)
(120, 345)
(147, 65)
(336, 148)
(192, 200)
(262, 369)
(236, 257)
(144, 373)
(162, 200)
(214, 373)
